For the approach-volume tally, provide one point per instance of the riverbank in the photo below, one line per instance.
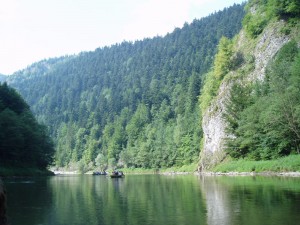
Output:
(23, 172)
(63, 172)
(186, 169)
(267, 174)
(288, 164)
(285, 166)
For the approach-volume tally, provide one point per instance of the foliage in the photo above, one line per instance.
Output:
(254, 24)
(183, 169)
(134, 103)
(264, 119)
(260, 12)
(284, 9)
(284, 164)
(20, 171)
(101, 162)
(223, 63)
(2, 78)
(22, 140)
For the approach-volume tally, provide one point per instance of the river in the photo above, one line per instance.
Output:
(153, 200)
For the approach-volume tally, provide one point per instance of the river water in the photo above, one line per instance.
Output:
(153, 200)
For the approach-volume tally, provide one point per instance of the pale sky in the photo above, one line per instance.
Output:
(32, 30)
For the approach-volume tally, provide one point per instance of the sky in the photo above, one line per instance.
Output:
(32, 30)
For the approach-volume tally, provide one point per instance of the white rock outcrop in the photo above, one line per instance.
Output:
(213, 123)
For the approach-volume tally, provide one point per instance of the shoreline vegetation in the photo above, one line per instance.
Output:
(285, 166)
(7, 171)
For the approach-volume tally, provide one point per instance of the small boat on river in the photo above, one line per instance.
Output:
(99, 173)
(117, 174)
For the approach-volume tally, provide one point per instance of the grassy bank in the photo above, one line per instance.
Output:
(286, 164)
(23, 171)
(186, 168)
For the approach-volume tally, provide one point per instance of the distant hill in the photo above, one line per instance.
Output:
(2, 77)
(38, 69)
(133, 104)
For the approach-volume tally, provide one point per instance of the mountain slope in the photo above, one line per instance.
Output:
(134, 104)
(2, 77)
(242, 108)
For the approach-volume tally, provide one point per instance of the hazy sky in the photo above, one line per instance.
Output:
(32, 30)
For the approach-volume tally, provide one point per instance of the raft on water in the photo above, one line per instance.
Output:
(117, 174)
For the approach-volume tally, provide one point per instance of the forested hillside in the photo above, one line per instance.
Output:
(130, 104)
(23, 142)
(2, 77)
(252, 93)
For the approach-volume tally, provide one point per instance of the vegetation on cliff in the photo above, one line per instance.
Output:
(261, 111)
(267, 124)
(260, 12)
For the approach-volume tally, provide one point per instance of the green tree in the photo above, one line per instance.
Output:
(264, 119)
(101, 162)
(23, 142)
(222, 63)
(284, 9)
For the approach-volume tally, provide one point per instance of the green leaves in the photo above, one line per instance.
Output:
(22, 140)
(254, 24)
(265, 123)
(11, 99)
(259, 13)
(284, 9)
(101, 162)
(223, 63)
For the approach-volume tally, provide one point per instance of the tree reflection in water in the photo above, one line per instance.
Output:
(153, 200)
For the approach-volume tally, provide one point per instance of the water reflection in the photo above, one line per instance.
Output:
(153, 200)
(29, 200)
(217, 201)
(134, 200)
(251, 200)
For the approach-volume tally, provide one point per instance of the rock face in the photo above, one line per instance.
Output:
(267, 46)
(213, 124)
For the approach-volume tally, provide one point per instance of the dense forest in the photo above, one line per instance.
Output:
(2, 77)
(262, 116)
(133, 104)
(23, 142)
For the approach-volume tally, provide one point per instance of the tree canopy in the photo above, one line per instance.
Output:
(265, 118)
(23, 142)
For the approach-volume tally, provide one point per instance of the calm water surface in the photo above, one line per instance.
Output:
(153, 199)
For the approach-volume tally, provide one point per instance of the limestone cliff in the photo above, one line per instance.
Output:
(256, 53)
